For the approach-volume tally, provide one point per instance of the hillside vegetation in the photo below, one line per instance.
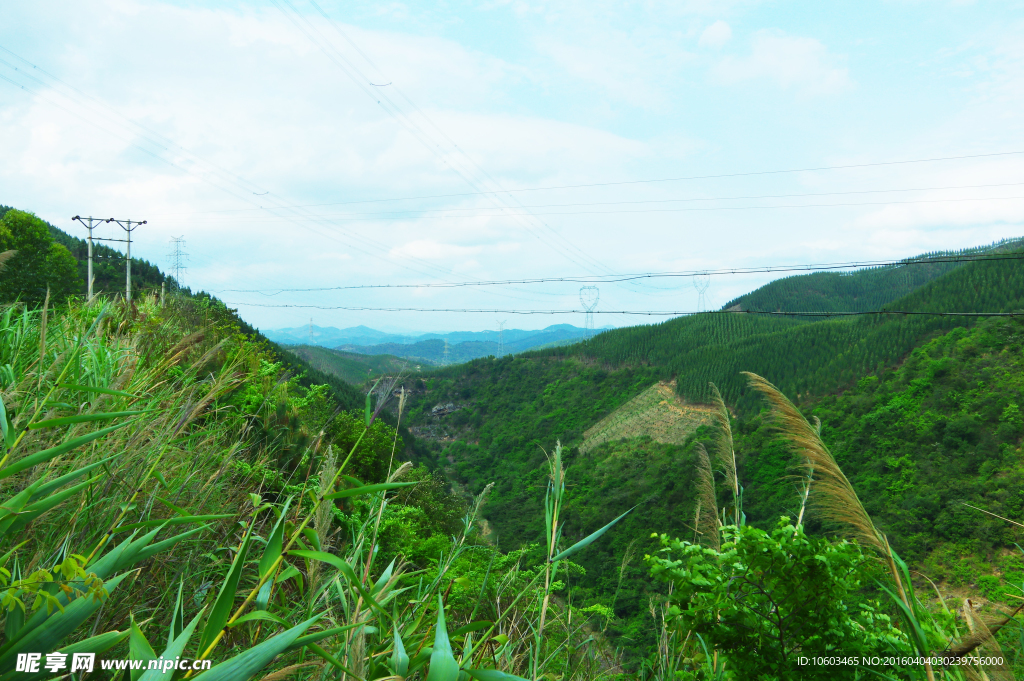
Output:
(354, 368)
(176, 488)
(805, 357)
(510, 408)
(865, 289)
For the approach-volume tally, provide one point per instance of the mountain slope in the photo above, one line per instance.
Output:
(353, 368)
(865, 289)
(801, 356)
(509, 411)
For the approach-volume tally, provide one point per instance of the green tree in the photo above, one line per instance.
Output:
(39, 263)
(767, 600)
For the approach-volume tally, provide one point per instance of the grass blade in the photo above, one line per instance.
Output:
(90, 389)
(174, 649)
(586, 541)
(274, 545)
(139, 649)
(345, 569)
(226, 598)
(368, 489)
(251, 661)
(47, 454)
(443, 666)
(492, 675)
(82, 418)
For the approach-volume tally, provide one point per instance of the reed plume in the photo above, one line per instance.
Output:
(832, 495)
(707, 515)
(724, 450)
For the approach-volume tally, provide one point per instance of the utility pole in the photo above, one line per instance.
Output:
(128, 226)
(90, 223)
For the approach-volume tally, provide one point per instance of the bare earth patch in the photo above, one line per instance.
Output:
(657, 412)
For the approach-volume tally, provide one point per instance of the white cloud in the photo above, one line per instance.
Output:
(799, 63)
(716, 35)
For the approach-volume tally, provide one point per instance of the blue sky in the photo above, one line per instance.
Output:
(254, 131)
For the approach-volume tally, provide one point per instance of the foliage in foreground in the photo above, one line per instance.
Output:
(136, 439)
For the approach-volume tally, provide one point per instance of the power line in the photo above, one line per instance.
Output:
(650, 313)
(650, 201)
(587, 279)
(424, 137)
(675, 179)
(402, 215)
(198, 166)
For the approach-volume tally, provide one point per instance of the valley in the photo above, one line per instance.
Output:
(917, 411)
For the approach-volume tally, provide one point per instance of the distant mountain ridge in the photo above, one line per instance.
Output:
(364, 340)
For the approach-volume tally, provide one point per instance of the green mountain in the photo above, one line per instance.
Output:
(865, 289)
(278, 479)
(354, 368)
(508, 412)
(801, 355)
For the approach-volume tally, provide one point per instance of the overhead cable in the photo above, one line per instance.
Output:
(649, 181)
(600, 279)
(649, 313)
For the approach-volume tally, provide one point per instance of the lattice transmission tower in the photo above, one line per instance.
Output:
(501, 338)
(589, 295)
(177, 257)
(701, 282)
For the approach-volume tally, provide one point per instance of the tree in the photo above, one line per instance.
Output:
(768, 600)
(39, 263)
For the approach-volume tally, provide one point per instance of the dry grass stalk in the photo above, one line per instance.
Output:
(832, 494)
(324, 516)
(724, 451)
(400, 471)
(983, 636)
(707, 521)
(285, 672)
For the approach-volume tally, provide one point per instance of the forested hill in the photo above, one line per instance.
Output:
(805, 355)
(508, 411)
(109, 272)
(864, 289)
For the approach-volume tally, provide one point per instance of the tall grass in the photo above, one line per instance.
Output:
(131, 529)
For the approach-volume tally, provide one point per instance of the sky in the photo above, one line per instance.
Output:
(302, 145)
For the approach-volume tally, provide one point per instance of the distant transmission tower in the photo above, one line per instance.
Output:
(501, 338)
(444, 359)
(701, 282)
(178, 257)
(310, 330)
(589, 295)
